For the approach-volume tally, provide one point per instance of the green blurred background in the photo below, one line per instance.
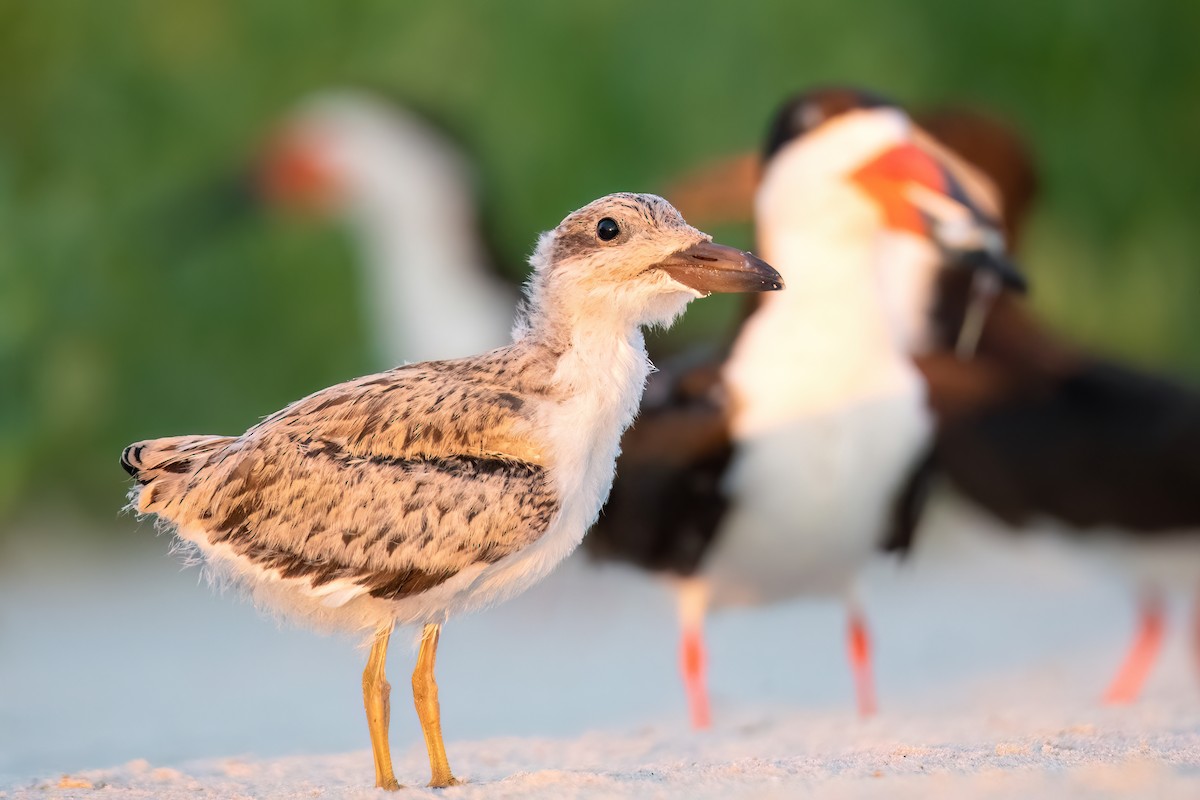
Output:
(131, 308)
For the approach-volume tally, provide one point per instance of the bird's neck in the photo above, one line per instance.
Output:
(593, 383)
(599, 373)
(601, 359)
(824, 342)
(430, 285)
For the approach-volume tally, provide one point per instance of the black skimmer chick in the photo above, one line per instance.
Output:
(440, 487)
(406, 189)
(778, 468)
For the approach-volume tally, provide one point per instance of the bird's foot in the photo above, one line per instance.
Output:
(859, 641)
(389, 785)
(447, 781)
(1128, 684)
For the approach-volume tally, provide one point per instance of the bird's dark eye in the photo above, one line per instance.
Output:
(607, 229)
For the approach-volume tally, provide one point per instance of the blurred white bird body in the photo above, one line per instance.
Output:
(822, 385)
(812, 430)
(822, 395)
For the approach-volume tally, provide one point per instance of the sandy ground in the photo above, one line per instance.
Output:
(1148, 753)
(991, 657)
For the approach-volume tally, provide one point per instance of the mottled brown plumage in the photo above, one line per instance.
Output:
(387, 487)
(394, 482)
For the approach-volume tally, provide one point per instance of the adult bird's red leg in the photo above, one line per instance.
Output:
(1128, 683)
(859, 644)
(693, 659)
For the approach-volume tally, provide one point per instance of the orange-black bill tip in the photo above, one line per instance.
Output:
(711, 267)
(1008, 272)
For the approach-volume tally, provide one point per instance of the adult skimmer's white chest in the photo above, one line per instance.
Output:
(829, 420)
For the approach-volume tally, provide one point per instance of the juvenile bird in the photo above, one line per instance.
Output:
(442, 487)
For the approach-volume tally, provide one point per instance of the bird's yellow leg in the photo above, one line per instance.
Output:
(377, 700)
(425, 696)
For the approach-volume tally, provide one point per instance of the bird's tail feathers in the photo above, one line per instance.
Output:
(158, 465)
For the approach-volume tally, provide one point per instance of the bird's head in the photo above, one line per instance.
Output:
(344, 149)
(632, 258)
(850, 163)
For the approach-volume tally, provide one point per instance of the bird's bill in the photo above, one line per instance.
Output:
(894, 178)
(718, 193)
(709, 267)
(293, 173)
(916, 194)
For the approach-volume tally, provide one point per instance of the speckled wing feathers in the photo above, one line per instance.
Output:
(460, 407)
(394, 482)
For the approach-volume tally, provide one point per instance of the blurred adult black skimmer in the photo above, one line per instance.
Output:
(778, 467)
(1031, 428)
